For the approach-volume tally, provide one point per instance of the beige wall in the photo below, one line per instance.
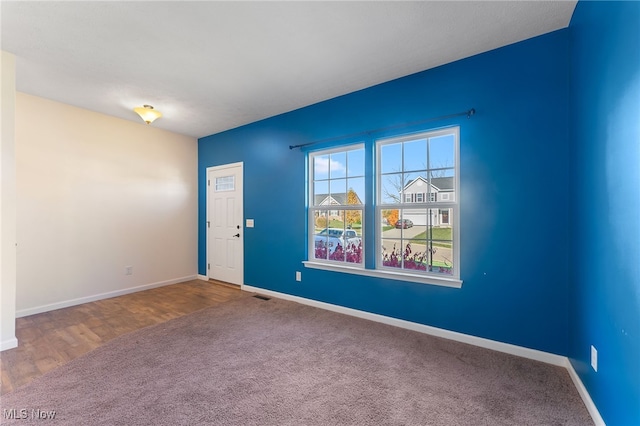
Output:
(96, 194)
(7, 203)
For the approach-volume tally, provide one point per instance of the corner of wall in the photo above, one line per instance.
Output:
(8, 204)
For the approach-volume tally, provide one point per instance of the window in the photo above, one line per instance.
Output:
(444, 216)
(415, 208)
(426, 242)
(226, 183)
(336, 206)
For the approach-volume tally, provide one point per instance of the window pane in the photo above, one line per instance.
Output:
(338, 190)
(338, 181)
(389, 219)
(441, 152)
(320, 167)
(321, 193)
(353, 219)
(404, 254)
(391, 158)
(338, 165)
(418, 241)
(415, 183)
(443, 182)
(320, 235)
(391, 187)
(355, 191)
(440, 241)
(415, 155)
(355, 163)
(338, 235)
(421, 241)
(226, 183)
(414, 219)
(352, 237)
(392, 253)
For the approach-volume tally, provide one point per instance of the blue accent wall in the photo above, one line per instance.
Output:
(514, 193)
(605, 205)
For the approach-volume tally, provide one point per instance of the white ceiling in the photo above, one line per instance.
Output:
(212, 66)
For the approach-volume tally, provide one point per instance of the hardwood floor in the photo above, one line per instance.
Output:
(51, 339)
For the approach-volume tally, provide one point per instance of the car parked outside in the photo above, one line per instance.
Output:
(334, 236)
(404, 224)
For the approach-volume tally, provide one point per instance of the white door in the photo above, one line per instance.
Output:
(225, 233)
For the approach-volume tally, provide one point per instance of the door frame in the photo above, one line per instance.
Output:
(207, 220)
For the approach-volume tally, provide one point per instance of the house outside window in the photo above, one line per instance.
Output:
(336, 207)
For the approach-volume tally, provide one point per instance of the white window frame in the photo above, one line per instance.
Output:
(328, 208)
(419, 197)
(430, 277)
(371, 206)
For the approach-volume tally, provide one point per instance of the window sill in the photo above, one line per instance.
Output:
(391, 275)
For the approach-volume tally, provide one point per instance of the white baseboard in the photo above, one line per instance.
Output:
(549, 358)
(93, 298)
(584, 394)
(203, 277)
(8, 344)
(426, 329)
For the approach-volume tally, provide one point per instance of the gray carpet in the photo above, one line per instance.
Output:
(256, 362)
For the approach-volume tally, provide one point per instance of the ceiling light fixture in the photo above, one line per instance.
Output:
(147, 113)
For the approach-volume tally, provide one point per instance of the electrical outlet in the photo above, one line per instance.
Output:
(128, 270)
(298, 276)
(594, 358)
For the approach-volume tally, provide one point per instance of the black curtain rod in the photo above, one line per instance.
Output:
(468, 113)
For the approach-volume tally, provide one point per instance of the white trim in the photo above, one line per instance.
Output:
(454, 205)
(520, 351)
(391, 275)
(203, 277)
(8, 344)
(224, 166)
(312, 208)
(87, 299)
(584, 394)
(240, 187)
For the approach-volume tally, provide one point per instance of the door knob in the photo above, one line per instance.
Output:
(237, 235)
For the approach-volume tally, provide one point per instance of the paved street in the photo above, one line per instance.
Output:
(406, 233)
(442, 254)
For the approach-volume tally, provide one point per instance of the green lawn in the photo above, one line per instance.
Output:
(340, 224)
(436, 234)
